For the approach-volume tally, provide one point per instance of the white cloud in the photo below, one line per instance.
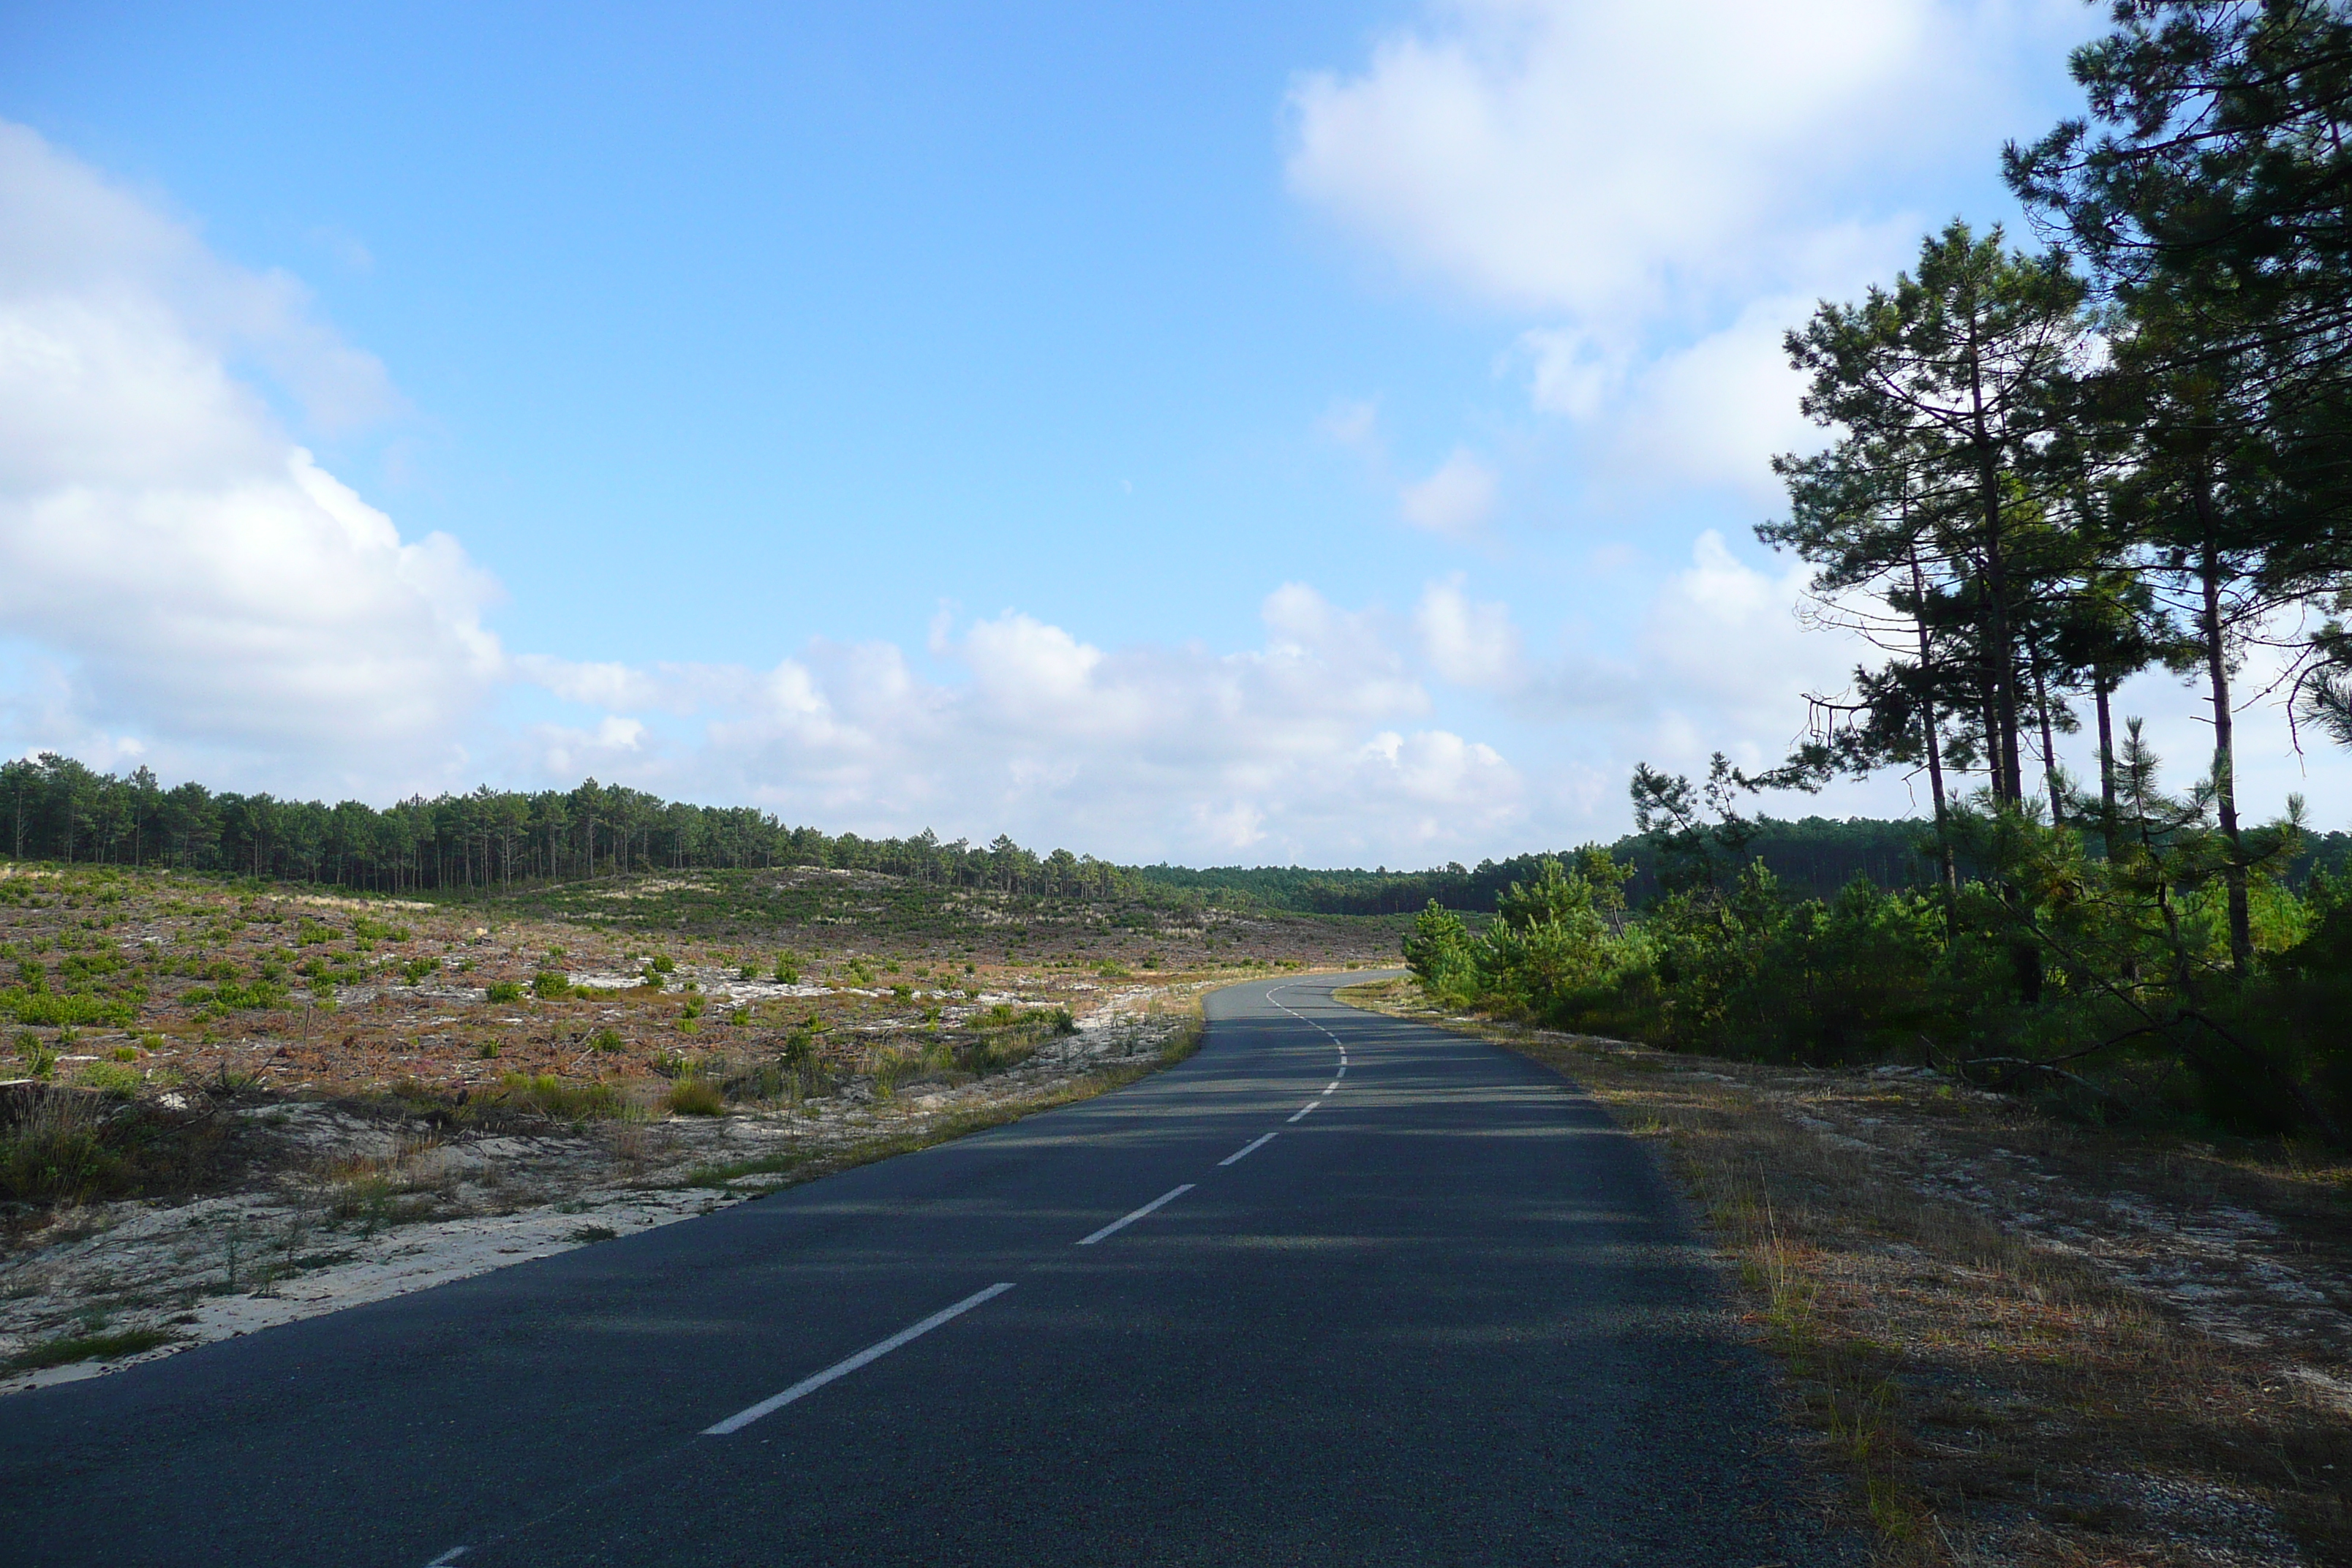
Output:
(1716, 412)
(1471, 645)
(596, 685)
(1291, 748)
(77, 244)
(1455, 499)
(1571, 374)
(163, 538)
(1722, 640)
(1659, 190)
(1597, 158)
(1354, 423)
(1718, 659)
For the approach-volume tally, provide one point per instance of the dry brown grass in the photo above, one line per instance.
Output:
(1992, 1394)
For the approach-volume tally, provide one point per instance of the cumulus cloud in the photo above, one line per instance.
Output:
(1718, 658)
(1723, 639)
(1302, 746)
(1715, 414)
(1660, 189)
(1456, 498)
(1471, 645)
(1605, 160)
(164, 542)
(1584, 156)
(1650, 196)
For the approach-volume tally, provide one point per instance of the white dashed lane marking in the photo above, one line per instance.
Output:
(1341, 1047)
(1123, 1221)
(841, 1369)
(1246, 1149)
(1302, 1109)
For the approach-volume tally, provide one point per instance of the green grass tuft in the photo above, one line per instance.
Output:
(71, 1348)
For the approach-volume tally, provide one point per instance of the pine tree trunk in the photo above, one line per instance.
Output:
(1991, 722)
(2101, 691)
(2225, 787)
(2049, 745)
(1927, 730)
(2000, 659)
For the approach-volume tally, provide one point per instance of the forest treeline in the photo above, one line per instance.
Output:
(55, 808)
(1814, 855)
(2049, 470)
(1808, 857)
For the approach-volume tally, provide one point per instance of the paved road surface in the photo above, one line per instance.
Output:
(1445, 1315)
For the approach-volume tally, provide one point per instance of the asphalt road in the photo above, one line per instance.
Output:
(1448, 1315)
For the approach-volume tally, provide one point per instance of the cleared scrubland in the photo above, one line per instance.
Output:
(239, 1102)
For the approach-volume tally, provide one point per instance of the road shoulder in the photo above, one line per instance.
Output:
(2012, 1341)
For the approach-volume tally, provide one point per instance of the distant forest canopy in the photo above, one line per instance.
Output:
(55, 808)
(1817, 856)
(1812, 857)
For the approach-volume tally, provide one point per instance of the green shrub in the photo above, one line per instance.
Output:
(69, 1349)
(550, 1096)
(550, 985)
(113, 1077)
(57, 1152)
(502, 990)
(233, 995)
(40, 1058)
(607, 1039)
(1441, 955)
(55, 1008)
(694, 1097)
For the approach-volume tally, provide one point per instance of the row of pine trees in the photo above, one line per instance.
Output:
(55, 808)
(2132, 448)
(2051, 470)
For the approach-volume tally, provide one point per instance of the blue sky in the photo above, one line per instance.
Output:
(1328, 435)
